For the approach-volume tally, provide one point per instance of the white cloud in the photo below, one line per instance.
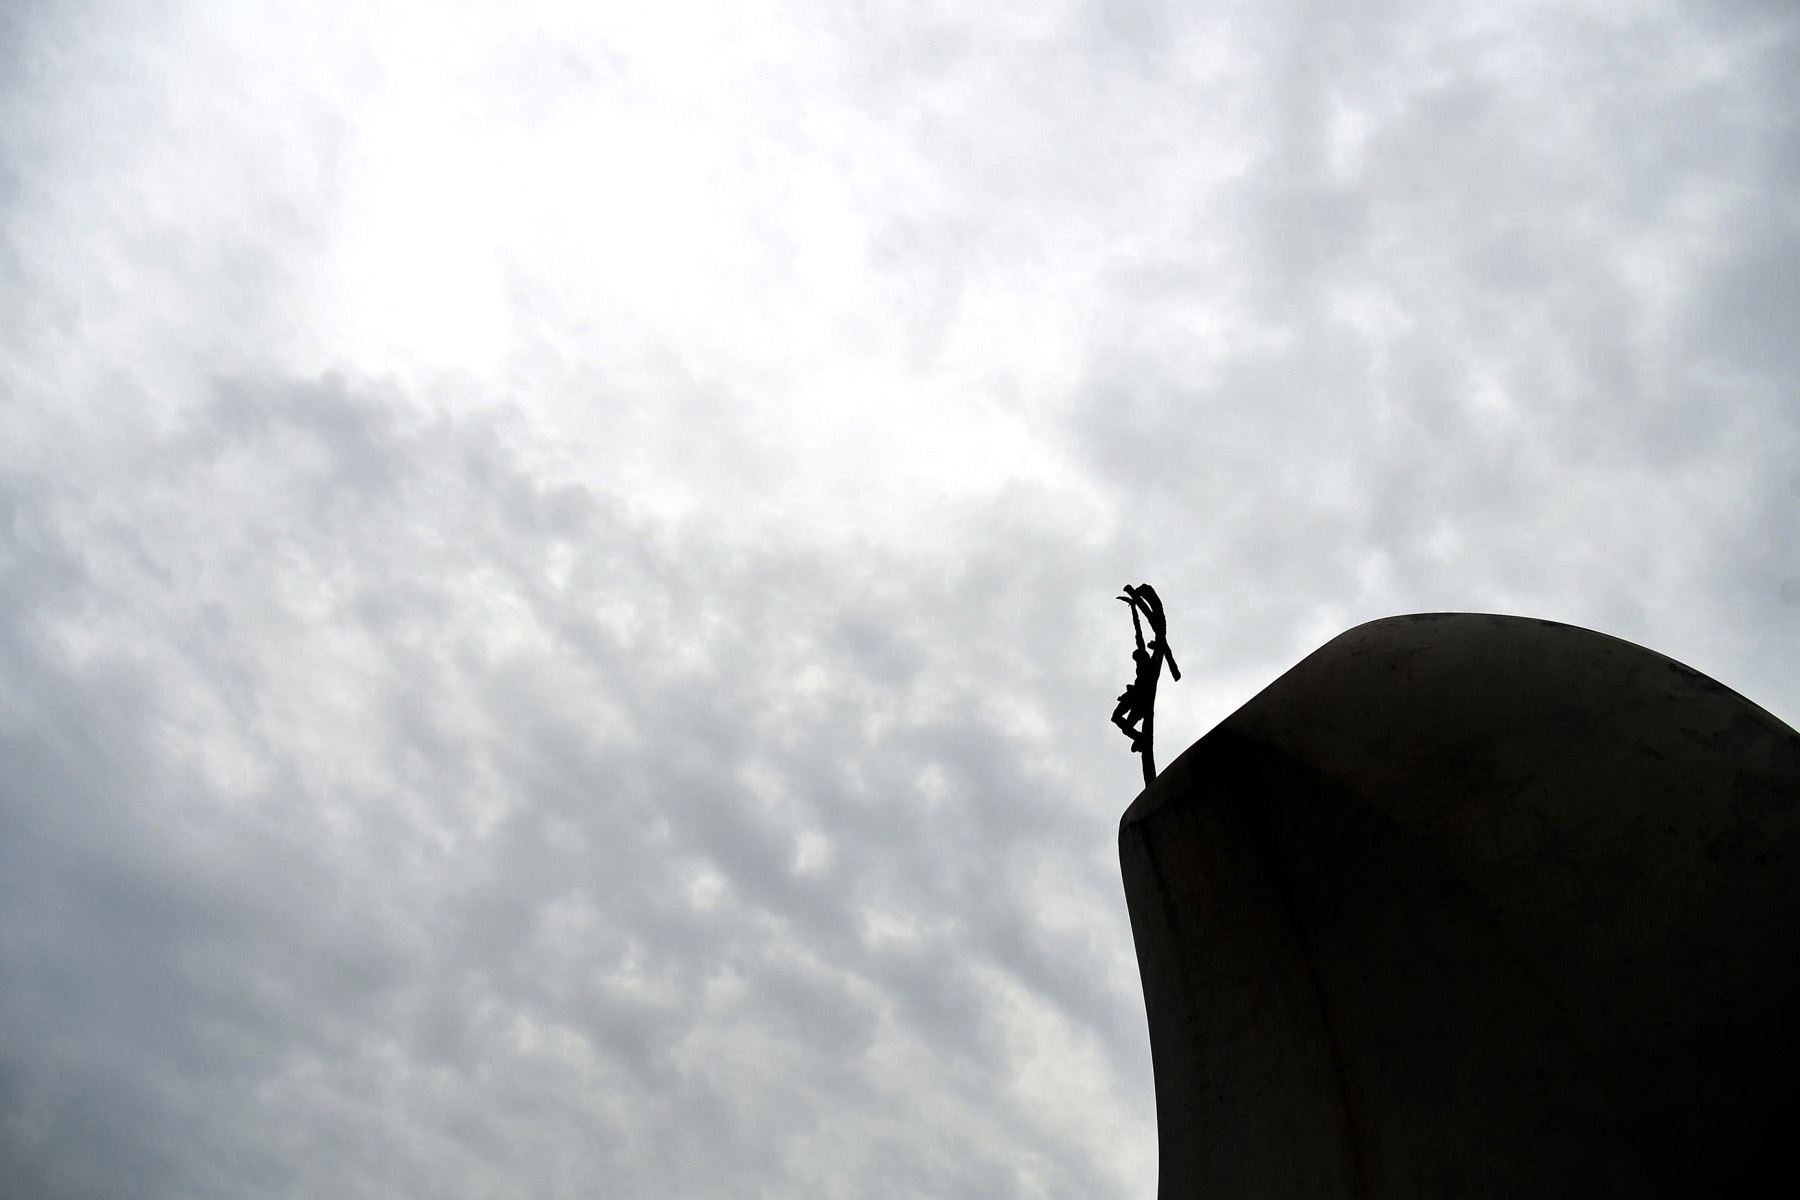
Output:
(556, 562)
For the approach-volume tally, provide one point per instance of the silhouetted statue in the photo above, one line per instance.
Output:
(1138, 701)
(1477, 906)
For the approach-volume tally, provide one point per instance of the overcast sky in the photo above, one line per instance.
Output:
(557, 558)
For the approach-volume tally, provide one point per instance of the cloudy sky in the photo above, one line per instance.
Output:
(557, 558)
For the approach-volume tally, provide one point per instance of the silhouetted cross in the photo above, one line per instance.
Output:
(1138, 701)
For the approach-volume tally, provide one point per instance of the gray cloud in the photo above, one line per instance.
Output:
(626, 708)
(460, 833)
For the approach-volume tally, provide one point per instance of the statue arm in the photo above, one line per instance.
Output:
(1137, 627)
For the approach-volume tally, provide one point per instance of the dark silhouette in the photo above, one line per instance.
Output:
(1138, 701)
(1476, 906)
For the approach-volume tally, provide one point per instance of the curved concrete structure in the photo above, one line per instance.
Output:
(1469, 905)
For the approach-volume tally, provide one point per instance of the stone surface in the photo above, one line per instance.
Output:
(1468, 905)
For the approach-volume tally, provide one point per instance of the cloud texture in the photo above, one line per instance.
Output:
(556, 561)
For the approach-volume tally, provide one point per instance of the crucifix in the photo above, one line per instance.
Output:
(1137, 703)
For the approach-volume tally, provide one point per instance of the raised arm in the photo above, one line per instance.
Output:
(1131, 601)
(1144, 596)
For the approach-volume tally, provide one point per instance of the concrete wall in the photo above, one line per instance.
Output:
(1468, 905)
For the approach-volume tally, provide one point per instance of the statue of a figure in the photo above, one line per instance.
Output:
(1138, 701)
